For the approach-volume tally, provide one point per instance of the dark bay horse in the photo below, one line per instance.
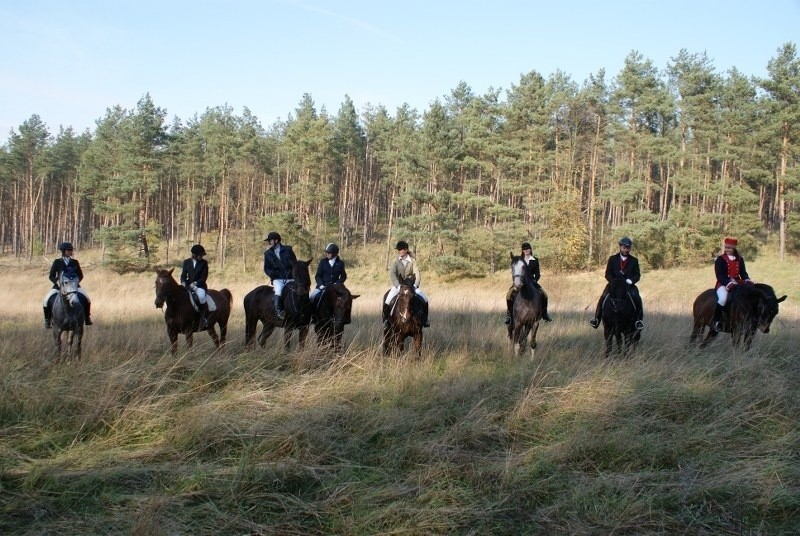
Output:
(333, 309)
(749, 307)
(181, 317)
(258, 307)
(68, 315)
(527, 309)
(619, 318)
(405, 320)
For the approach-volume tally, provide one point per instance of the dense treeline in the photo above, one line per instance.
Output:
(673, 158)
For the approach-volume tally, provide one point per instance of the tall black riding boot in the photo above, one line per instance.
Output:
(276, 301)
(425, 322)
(47, 316)
(87, 313)
(205, 313)
(595, 322)
(716, 321)
(509, 312)
(545, 316)
(385, 312)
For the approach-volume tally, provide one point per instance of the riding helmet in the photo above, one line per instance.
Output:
(273, 236)
(332, 248)
(401, 245)
(197, 249)
(64, 246)
(526, 245)
(625, 241)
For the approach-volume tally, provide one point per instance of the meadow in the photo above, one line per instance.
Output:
(467, 440)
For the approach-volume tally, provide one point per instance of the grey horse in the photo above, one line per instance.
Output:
(68, 315)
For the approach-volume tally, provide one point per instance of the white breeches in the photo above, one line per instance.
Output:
(278, 285)
(315, 293)
(394, 291)
(722, 295)
(201, 294)
(55, 291)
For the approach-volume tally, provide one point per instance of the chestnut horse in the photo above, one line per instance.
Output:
(68, 315)
(619, 318)
(527, 309)
(750, 307)
(405, 320)
(333, 308)
(258, 307)
(181, 317)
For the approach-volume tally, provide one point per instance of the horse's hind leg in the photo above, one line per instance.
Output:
(266, 331)
(212, 332)
(302, 336)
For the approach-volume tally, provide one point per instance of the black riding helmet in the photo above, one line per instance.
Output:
(197, 249)
(273, 236)
(64, 246)
(332, 248)
(401, 245)
(625, 241)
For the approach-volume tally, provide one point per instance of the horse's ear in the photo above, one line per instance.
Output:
(171, 270)
(354, 296)
(782, 298)
(511, 254)
(309, 260)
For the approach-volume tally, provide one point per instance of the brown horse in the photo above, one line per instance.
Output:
(181, 317)
(333, 309)
(527, 309)
(405, 320)
(258, 307)
(750, 307)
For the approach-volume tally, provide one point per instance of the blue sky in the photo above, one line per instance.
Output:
(69, 61)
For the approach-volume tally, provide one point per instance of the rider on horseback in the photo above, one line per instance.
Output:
(625, 266)
(68, 266)
(278, 261)
(405, 270)
(730, 271)
(193, 277)
(329, 270)
(532, 265)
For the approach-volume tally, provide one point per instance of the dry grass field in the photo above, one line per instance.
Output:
(467, 440)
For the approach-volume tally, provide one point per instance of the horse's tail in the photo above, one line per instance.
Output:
(227, 293)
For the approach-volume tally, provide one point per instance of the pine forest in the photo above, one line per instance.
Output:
(674, 158)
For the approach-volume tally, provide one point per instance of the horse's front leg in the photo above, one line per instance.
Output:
(189, 339)
(173, 340)
(609, 338)
(287, 337)
(387, 341)
(301, 337)
(418, 343)
(57, 340)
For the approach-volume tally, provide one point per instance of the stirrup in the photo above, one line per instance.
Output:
(546, 318)
(87, 321)
(508, 320)
(47, 324)
(594, 322)
(639, 324)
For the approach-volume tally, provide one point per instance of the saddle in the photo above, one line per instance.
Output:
(212, 306)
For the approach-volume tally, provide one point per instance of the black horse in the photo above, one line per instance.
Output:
(333, 309)
(749, 307)
(405, 320)
(527, 309)
(619, 318)
(258, 307)
(68, 315)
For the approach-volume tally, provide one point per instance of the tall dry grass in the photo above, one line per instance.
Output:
(467, 440)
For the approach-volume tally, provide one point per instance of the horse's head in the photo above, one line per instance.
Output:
(405, 301)
(340, 301)
(68, 284)
(767, 306)
(165, 286)
(301, 276)
(618, 289)
(519, 271)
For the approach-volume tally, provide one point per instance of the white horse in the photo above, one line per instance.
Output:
(68, 315)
